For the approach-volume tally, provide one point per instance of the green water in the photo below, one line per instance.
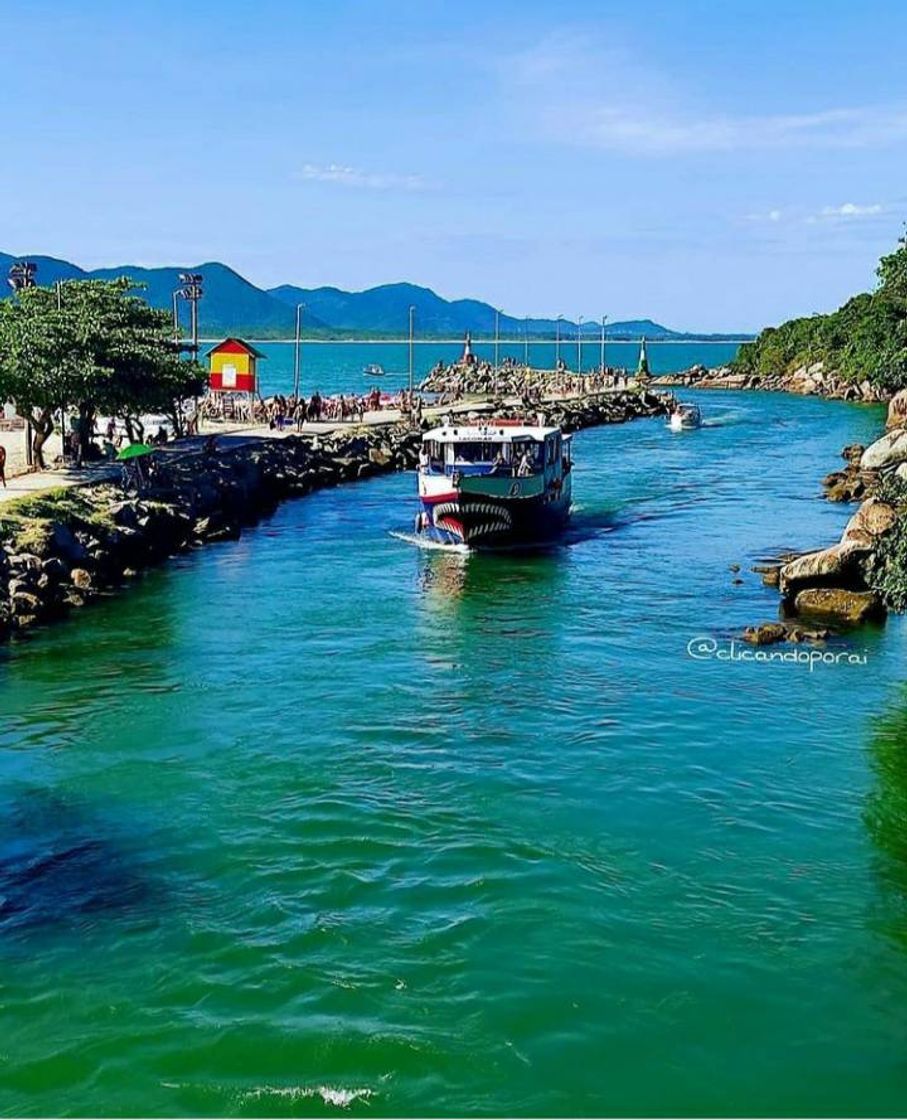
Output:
(319, 810)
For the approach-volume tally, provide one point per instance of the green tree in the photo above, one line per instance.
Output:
(892, 274)
(94, 347)
(865, 340)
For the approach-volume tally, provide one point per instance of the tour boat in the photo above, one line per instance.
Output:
(495, 484)
(373, 370)
(684, 417)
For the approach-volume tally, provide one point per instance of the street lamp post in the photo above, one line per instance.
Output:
(557, 344)
(191, 291)
(497, 340)
(412, 316)
(526, 342)
(297, 353)
(604, 325)
(579, 345)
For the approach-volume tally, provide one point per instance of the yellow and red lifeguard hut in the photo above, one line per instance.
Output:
(233, 367)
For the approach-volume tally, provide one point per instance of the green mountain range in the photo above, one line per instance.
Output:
(233, 305)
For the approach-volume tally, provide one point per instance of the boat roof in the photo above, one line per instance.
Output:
(492, 432)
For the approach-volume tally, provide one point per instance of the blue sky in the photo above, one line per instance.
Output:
(711, 165)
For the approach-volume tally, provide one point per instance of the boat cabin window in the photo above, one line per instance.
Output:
(534, 451)
(478, 452)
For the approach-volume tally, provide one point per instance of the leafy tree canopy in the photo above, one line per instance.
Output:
(865, 340)
(93, 346)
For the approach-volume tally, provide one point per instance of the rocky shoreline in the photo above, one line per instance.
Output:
(812, 380)
(859, 577)
(61, 549)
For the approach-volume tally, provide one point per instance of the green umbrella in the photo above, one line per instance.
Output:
(135, 451)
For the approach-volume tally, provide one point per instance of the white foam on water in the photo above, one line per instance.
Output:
(421, 541)
(724, 420)
(341, 1098)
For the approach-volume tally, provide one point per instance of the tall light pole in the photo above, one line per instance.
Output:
(604, 326)
(526, 342)
(192, 292)
(557, 344)
(300, 307)
(176, 315)
(497, 338)
(412, 316)
(579, 345)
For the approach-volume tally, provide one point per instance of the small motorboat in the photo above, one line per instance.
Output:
(684, 417)
(373, 370)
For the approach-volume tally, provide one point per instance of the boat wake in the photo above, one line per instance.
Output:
(420, 540)
(725, 420)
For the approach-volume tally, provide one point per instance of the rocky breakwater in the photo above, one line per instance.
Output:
(807, 380)
(63, 548)
(605, 408)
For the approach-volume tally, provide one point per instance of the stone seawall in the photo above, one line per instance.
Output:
(63, 548)
(60, 549)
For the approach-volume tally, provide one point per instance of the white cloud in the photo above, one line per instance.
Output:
(590, 92)
(851, 210)
(847, 212)
(635, 130)
(368, 180)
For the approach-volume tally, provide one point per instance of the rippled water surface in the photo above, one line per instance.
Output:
(320, 820)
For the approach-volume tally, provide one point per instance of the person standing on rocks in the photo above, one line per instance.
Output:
(3, 466)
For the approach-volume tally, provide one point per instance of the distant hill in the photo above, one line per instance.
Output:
(386, 309)
(230, 305)
(233, 305)
(50, 269)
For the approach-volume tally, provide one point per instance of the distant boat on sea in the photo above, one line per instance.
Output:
(373, 370)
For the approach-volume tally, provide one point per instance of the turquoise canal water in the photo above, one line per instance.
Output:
(318, 817)
(337, 367)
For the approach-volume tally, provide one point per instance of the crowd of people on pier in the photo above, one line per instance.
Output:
(511, 378)
(446, 384)
(283, 413)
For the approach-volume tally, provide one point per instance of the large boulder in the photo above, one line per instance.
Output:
(64, 544)
(837, 566)
(872, 520)
(897, 411)
(81, 579)
(839, 605)
(844, 486)
(888, 451)
(765, 634)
